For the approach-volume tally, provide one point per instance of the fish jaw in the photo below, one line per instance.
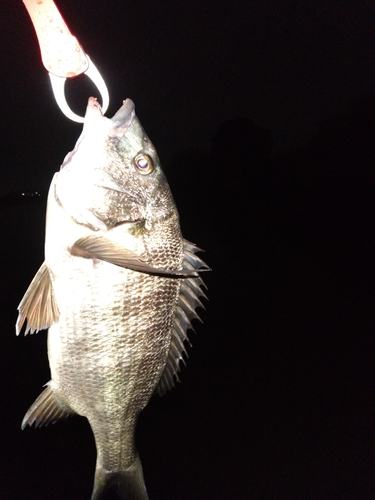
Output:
(97, 127)
(115, 127)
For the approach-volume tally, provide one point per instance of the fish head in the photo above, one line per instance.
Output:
(113, 175)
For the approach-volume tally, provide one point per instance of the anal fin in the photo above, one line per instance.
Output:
(38, 305)
(46, 409)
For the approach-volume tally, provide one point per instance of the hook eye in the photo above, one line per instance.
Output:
(58, 88)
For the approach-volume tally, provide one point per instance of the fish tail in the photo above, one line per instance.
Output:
(127, 484)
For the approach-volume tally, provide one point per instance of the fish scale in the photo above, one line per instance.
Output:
(118, 291)
(142, 296)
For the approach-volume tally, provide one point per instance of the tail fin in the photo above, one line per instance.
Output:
(122, 485)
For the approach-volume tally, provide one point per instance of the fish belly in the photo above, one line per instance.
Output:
(109, 348)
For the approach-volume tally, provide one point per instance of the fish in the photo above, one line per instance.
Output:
(117, 291)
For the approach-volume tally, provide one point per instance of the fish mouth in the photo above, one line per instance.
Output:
(125, 114)
(120, 121)
(126, 110)
(93, 110)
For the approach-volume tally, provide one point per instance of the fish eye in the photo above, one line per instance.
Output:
(144, 163)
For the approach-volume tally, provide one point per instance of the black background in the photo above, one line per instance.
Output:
(263, 114)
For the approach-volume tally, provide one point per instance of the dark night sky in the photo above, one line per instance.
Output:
(263, 114)
(188, 66)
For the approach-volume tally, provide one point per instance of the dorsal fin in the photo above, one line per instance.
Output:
(188, 301)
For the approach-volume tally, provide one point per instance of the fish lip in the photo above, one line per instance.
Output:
(93, 109)
(122, 120)
(125, 114)
(119, 122)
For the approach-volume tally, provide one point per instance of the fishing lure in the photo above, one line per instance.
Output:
(62, 54)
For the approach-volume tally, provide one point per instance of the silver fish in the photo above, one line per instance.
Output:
(118, 290)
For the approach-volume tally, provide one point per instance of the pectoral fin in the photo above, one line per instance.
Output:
(38, 305)
(97, 247)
